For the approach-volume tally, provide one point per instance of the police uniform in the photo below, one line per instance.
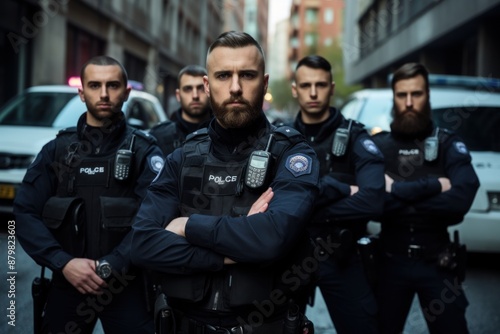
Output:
(172, 134)
(72, 205)
(347, 156)
(206, 181)
(414, 232)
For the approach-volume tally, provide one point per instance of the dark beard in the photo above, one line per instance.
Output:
(412, 123)
(237, 117)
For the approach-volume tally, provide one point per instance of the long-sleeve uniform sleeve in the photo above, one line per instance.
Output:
(367, 203)
(38, 185)
(425, 196)
(259, 238)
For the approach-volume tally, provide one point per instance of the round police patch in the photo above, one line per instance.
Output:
(299, 164)
(460, 147)
(156, 163)
(370, 146)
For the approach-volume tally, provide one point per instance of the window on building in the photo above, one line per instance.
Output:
(310, 38)
(311, 15)
(81, 46)
(135, 66)
(329, 16)
(328, 41)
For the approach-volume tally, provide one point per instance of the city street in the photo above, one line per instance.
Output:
(481, 286)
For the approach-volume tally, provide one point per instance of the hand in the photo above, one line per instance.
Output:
(388, 183)
(81, 274)
(354, 189)
(262, 203)
(178, 226)
(445, 183)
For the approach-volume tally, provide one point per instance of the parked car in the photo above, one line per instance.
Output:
(469, 107)
(31, 119)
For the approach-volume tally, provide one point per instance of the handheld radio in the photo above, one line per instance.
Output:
(123, 161)
(341, 140)
(257, 171)
(431, 146)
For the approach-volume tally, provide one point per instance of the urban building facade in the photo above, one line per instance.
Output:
(313, 24)
(47, 41)
(457, 37)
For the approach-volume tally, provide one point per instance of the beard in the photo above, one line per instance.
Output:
(412, 123)
(237, 117)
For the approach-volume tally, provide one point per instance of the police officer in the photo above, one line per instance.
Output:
(352, 186)
(76, 205)
(227, 253)
(193, 114)
(430, 185)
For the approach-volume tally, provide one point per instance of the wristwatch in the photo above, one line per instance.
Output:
(103, 269)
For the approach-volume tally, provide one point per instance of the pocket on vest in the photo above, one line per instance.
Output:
(65, 217)
(117, 217)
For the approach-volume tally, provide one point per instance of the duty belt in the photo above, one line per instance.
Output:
(192, 326)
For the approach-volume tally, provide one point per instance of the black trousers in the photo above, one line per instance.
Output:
(348, 296)
(442, 299)
(121, 308)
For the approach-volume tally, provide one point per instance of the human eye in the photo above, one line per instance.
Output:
(187, 89)
(93, 85)
(222, 76)
(113, 85)
(248, 75)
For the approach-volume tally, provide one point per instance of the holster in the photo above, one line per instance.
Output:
(39, 292)
(296, 322)
(164, 316)
(369, 253)
(454, 258)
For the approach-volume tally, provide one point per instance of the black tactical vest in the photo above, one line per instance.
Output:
(92, 210)
(214, 187)
(340, 167)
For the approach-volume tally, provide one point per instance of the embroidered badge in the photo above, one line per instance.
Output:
(299, 164)
(460, 147)
(370, 146)
(156, 162)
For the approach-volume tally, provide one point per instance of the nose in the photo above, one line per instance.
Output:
(104, 92)
(409, 100)
(314, 91)
(196, 94)
(235, 88)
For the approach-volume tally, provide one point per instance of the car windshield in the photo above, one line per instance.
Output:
(477, 126)
(34, 108)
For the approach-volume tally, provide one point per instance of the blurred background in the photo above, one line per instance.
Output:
(47, 41)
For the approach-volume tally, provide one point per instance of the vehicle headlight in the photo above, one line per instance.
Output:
(494, 200)
(15, 161)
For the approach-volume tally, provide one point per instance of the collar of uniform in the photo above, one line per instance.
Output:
(227, 141)
(100, 135)
(332, 123)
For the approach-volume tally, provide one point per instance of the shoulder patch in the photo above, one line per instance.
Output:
(144, 135)
(156, 163)
(370, 146)
(66, 131)
(460, 147)
(197, 133)
(299, 164)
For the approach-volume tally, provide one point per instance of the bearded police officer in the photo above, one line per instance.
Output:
(230, 257)
(193, 114)
(430, 185)
(352, 187)
(76, 205)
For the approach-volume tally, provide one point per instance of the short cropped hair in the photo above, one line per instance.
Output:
(408, 71)
(192, 70)
(236, 39)
(104, 61)
(315, 61)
